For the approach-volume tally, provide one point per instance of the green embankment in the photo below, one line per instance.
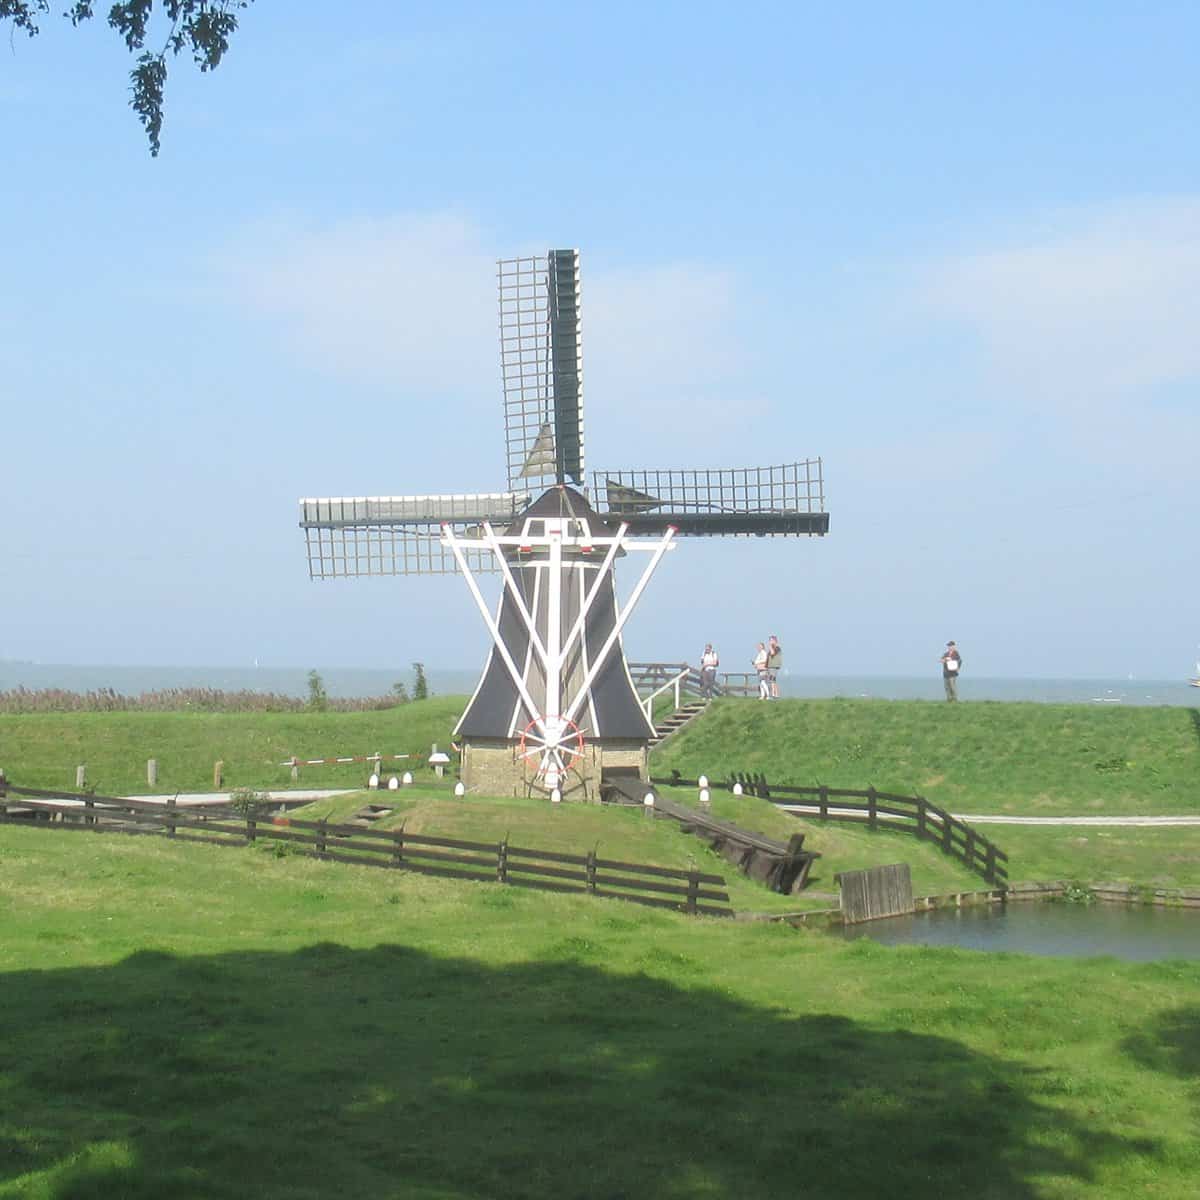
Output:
(987, 757)
(1034, 759)
(43, 749)
(201, 1022)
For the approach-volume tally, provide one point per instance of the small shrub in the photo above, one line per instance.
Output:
(318, 700)
(246, 802)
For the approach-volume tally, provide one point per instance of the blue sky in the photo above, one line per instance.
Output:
(956, 254)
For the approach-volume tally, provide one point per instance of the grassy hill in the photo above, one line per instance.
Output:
(43, 749)
(989, 757)
(201, 1022)
(979, 757)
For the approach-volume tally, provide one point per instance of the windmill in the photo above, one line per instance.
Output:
(555, 707)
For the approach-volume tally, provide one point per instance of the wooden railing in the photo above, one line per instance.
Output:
(651, 675)
(688, 891)
(675, 683)
(878, 810)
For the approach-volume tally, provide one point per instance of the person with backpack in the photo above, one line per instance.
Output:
(710, 660)
(951, 665)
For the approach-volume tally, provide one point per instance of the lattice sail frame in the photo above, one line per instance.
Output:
(349, 536)
(787, 500)
(541, 367)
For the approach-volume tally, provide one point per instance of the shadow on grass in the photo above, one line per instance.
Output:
(1171, 1045)
(388, 1072)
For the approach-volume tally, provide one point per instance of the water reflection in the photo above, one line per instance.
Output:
(1072, 930)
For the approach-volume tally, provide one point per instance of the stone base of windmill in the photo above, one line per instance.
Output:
(496, 768)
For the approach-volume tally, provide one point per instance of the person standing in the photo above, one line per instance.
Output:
(951, 665)
(760, 665)
(774, 662)
(710, 660)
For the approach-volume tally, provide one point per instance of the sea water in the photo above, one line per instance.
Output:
(358, 681)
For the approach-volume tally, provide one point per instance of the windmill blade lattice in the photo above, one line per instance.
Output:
(780, 501)
(399, 535)
(541, 367)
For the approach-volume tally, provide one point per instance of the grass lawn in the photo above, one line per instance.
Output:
(43, 749)
(201, 1022)
(988, 757)
(1167, 857)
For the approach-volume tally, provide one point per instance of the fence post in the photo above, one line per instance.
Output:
(218, 774)
(170, 816)
(693, 889)
(824, 800)
(920, 818)
(398, 847)
(81, 777)
(970, 859)
(947, 830)
(89, 818)
(321, 836)
(677, 695)
(295, 769)
(989, 866)
(152, 772)
(872, 807)
(502, 861)
(591, 870)
(251, 828)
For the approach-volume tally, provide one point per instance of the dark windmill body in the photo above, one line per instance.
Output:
(555, 707)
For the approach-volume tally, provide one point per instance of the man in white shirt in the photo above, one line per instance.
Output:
(764, 675)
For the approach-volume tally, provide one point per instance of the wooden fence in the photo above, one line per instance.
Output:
(908, 814)
(689, 891)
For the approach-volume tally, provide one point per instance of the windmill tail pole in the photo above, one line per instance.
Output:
(449, 539)
(598, 662)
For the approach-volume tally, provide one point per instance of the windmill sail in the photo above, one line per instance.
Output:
(541, 366)
(347, 536)
(780, 501)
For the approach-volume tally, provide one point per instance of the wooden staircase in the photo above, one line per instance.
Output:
(674, 722)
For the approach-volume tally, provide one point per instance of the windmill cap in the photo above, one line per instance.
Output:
(950, 643)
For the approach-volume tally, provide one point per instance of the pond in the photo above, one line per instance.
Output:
(1141, 934)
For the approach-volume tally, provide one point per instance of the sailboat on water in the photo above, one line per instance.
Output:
(1195, 679)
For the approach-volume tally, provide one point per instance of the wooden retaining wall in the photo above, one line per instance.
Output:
(875, 892)
(1112, 893)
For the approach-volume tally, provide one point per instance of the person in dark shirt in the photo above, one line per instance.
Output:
(951, 662)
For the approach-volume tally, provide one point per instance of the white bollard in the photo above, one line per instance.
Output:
(648, 804)
(556, 797)
(702, 782)
(393, 784)
(705, 798)
(373, 782)
(405, 779)
(737, 789)
(460, 788)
